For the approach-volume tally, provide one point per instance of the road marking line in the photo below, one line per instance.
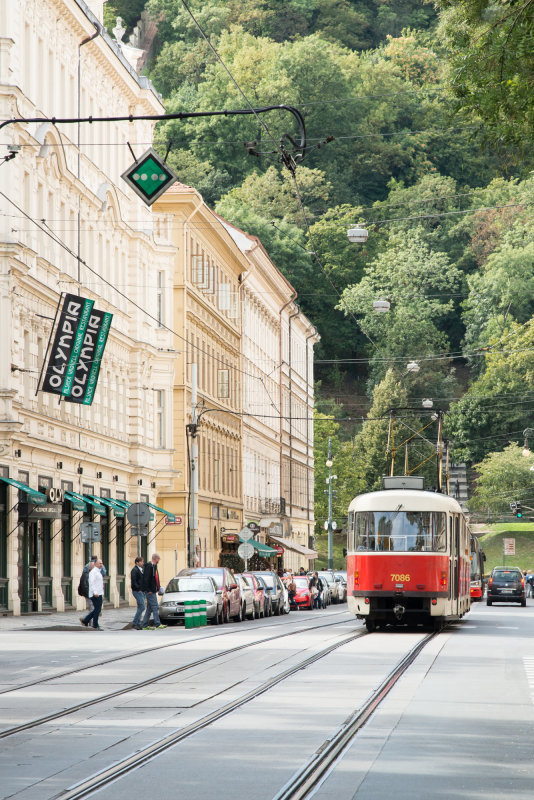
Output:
(528, 663)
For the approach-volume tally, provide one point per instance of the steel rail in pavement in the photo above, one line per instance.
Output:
(141, 684)
(109, 775)
(309, 777)
(123, 656)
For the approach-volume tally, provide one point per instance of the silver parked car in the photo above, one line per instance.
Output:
(247, 597)
(328, 578)
(191, 587)
(341, 580)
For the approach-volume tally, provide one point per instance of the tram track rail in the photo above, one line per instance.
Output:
(109, 775)
(58, 714)
(123, 656)
(305, 782)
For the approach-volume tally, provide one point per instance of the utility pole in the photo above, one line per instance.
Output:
(330, 523)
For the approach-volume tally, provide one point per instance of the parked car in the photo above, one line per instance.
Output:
(259, 590)
(303, 598)
(268, 603)
(247, 597)
(226, 585)
(506, 585)
(286, 605)
(328, 578)
(341, 579)
(190, 587)
(275, 590)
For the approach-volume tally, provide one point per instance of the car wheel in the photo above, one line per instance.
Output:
(253, 615)
(489, 602)
(278, 608)
(370, 624)
(239, 617)
(226, 613)
(523, 603)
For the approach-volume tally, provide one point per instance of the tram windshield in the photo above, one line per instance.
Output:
(400, 531)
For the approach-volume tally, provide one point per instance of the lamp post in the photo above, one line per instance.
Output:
(330, 523)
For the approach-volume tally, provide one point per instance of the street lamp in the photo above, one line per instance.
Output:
(427, 403)
(357, 234)
(381, 306)
(413, 366)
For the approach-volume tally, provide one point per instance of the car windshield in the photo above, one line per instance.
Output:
(269, 580)
(401, 531)
(506, 575)
(248, 580)
(190, 585)
(301, 583)
(326, 576)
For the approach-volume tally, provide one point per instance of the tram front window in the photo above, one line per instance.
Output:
(401, 531)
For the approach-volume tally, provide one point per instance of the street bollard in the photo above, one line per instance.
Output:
(202, 613)
(196, 614)
(188, 614)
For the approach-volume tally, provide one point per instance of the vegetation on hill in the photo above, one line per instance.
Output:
(492, 545)
(416, 118)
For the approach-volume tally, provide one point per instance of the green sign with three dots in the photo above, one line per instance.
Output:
(149, 177)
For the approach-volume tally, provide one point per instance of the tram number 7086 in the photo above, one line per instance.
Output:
(400, 576)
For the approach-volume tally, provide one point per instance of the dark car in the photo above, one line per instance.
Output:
(226, 585)
(274, 589)
(506, 585)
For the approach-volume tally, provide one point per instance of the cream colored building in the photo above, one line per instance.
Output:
(56, 61)
(207, 318)
(278, 472)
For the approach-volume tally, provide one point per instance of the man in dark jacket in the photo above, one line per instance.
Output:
(136, 581)
(152, 585)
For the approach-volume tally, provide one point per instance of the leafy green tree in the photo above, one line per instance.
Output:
(498, 405)
(349, 481)
(503, 477)
(418, 283)
(489, 46)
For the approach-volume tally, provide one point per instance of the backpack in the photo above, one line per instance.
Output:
(83, 586)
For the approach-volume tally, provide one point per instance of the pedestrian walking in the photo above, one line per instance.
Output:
(152, 585)
(96, 594)
(316, 589)
(137, 584)
(90, 564)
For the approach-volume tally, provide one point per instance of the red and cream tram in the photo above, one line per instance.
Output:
(409, 556)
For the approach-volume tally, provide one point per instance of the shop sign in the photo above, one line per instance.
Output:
(55, 495)
(88, 366)
(73, 321)
(230, 537)
(174, 520)
(48, 511)
(279, 550)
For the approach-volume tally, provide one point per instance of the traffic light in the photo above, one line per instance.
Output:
(516, 509)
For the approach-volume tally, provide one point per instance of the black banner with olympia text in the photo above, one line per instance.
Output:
(73, 321)
(88, 366)
(74, 362)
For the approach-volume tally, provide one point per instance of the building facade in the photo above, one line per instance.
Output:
(207, 319)
(70, 225)
(278, 398)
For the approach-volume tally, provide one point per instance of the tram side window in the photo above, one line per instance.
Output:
(396, 531)
(350, 531)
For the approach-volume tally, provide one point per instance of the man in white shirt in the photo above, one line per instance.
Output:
(96, 593)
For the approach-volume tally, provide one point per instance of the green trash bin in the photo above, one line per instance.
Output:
(188, 613)
(202, 613)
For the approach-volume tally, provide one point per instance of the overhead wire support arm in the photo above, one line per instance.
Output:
(289, 159)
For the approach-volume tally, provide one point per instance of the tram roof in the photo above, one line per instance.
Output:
(408, 499)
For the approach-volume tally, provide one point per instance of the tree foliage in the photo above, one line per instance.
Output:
(503, 477)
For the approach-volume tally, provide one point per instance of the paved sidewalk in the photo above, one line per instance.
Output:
(110, 619)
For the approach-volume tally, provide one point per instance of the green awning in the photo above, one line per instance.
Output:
(260, 548)
(118, 509)
(78, 503)
(35, 497)
(97, 505)
(170, 516)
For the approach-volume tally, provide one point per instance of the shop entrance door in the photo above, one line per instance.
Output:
(29, 566)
